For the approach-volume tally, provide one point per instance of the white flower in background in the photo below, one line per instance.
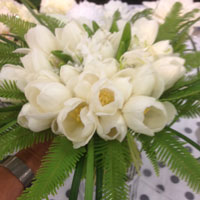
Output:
(112, 127)
(58, 6)
(41, 38)
(169, 69)
(162, 7)
(47, 96)
(70, 36)
(36, 121)
(76, 122)
(145, 115)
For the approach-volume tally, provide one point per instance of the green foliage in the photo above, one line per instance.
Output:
(88, 30)
(17, 26)
(95, 26)
(192, 60)
(9, 90)
(51, 22)
(116, 17)
(184, 89)
(64, 58)
(173, 153)
(89, 184)
(176, 27)
(145, 13)
(124, 42)
(134, 152)
(56, 167)
(6, 117)
(114, 159)
(150, 152)
(16, 138)
(8, 127)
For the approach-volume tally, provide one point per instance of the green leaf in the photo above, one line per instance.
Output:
(99, 182)
(95, 26)
(145, 13)
(89, 184)
(88, 30)
(15, 138)
(16, 25)
(124, 42)
(192, 60)
(9, 90)
(114, 159)
(8, 127)
(135, 154)
(10, 108)
(62, 56)
(77, 179)
(184, 90)
(169, 29)
(150, 152)
(116, 17)
(56, 168)
(176, 156)
(51, 22)
(8, 116)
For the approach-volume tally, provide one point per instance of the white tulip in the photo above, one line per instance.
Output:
(144, 32)
(170, 69)
(36, 60)
(47, 96)
(41, 38)
(58, 6)
(112, 127)
(136, 58)
(14, 73)
(147, 83)
(105, 69)
(105, 99)
(76, 122)
(146, 115)
(30, 118)
(70, 36)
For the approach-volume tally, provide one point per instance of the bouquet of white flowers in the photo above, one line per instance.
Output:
(97, 88)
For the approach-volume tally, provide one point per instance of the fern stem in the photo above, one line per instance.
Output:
(194, 144)
(77, 179)
(90, 171)
(99, 183)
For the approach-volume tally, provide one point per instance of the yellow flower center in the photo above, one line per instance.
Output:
(75, 114)
(106, 96)
(146, 111)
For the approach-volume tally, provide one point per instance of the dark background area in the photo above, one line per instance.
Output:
(37, 2)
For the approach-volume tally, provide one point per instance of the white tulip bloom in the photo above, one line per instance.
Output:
(36, 60)
(58, 6)
(14, 73)
(170, 69)
(146, 115)
(41, 38)
(30, 118)
(105, 99)
(112, 127)
(144, 32)
(47, 96)
(76, 122)
(70, 36)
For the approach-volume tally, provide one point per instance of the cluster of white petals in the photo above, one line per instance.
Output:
(161, 8)
(96, 93)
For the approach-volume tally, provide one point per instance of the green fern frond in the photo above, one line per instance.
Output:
(16, 138)
(183, 90)
(144, 13)
(9, 90)
(8, 127)
(56, 167)
(6, 117)
(150, 152)
(112, 156)
(179, 160)
(16, 25)
(192, 60)
(51, 22)
(9, 58)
